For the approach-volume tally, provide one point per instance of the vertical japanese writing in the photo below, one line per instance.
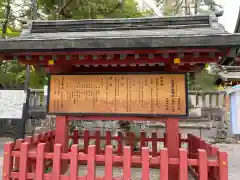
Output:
(173, 94)
(127, 98)
(135, 94)
(62, 92)
(115, 94)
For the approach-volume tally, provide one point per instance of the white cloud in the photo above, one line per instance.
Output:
(229, 18)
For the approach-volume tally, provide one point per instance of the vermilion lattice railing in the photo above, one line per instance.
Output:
(120, 140)
(31, 160)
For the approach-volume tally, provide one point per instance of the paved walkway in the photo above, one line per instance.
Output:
(233, 159)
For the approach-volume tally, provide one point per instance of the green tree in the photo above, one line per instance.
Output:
(204, 81)
(89, 9)
(12, 74)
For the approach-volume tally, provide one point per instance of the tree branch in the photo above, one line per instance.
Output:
(62, 9)
(5, 23)
(178, 5)
(119, 5)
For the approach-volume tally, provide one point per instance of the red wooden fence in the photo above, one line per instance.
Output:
(121, 140)
(206, 163)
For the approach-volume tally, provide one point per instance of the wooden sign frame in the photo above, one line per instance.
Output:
(117, 114)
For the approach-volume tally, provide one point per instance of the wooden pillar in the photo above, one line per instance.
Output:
(172, 144)
(61, 137)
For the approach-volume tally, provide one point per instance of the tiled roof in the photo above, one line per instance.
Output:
(152, 32)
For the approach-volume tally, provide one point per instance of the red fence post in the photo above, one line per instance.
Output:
(75, 136)
(56, 171)
(86, 141)
(164, 140)
(40, 168)
(97, 141)
(8, 161)
(142, 140)
(108, 138)
(127, 163)
(180, 140)
(31, 162)
(193, 145)
(131, 140)
(203, 164)
(145, 163)
(189, 138)
(154, 144)
(172, 144)
(183, 164)
(74, 162)
(23, 161)
(62, 132)
(52, 142)
(108, 163)
(164, 164)
(91, 163)
(223, 165)
(120, 143)
(17, 159)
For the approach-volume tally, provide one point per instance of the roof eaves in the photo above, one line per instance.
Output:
(226, 60)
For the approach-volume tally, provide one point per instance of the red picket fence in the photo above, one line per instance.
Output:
(206, 163)
(214, 172)
(130, 139)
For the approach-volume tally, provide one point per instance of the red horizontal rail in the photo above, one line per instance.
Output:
(61, 60)
(116, 159)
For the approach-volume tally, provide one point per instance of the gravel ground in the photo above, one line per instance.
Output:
(118, 173)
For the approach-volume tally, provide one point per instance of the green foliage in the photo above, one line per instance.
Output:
(204, 81)
(91, 9)
(12, 74)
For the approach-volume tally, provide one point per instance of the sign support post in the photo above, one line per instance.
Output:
(131, 96)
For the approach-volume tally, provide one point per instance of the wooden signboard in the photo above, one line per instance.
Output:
(118, 94)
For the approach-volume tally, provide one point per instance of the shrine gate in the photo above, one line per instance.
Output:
(118, 69)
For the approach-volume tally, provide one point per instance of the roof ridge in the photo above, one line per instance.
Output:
(120, 24)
